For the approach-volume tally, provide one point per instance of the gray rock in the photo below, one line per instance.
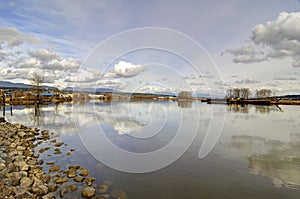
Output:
(119, 194)
(84, 173)
(3, 155)
(21, 164)
(89, 181)
(88, 192)
(2, 119)
(2, 166)
(38, 187)
(63, 192)
(71, 173)
(104, 196)
(61, 180)
(103, 188)
(15, 177)
(26, 182)
(54, 168)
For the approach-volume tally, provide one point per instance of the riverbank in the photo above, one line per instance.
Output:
(22, 174)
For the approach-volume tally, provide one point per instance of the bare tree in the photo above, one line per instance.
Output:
(263, 93)
(229, 93)
(236, 92)
(37, 81)
(245, 92)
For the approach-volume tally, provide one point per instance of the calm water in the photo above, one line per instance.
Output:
(257, 154)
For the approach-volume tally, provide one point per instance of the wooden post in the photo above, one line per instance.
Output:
(11, 102)
(3, 101)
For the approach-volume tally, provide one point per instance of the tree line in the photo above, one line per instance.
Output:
(246, 93)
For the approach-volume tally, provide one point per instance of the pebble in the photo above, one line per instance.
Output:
(119, 194)
(78, 179)
(26, 182)
(61, 180)
(103, 188)
(89, 181)
(58, 144)
(54, 168)
(22, 177)
(84, 173)
(88, 192)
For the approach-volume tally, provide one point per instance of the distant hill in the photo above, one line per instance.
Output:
(290, 97)
(92, 90)
(6, 84)
(12, 85)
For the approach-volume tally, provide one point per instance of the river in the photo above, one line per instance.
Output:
(255, 150)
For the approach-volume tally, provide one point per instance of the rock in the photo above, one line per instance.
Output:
(15, 177)
(104, 196)
(22, 134)
(89, 181)
(45, 132)
(45, 178)
(50, 163)
(84, 173)
(21, 148)
(54, 168)
(58, 144)
(3, 155)
(103, 188)
(42, 150)
(2, 119)
(48, 196)
(119, 194)
(40, 162)
(19, 162)
(52, 187)
(23, 194)
(63, 192)
(76, 167)
(88, 192)
(57, 151)
(107, 182)
(61, 180)
(72, 188)
(13, 145)
(38, 187)
(2, 166)
(78, 179)
(26, 182)
(71, 173)
(36, 155)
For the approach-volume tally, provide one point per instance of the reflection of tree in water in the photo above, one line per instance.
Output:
(275, 159)
(238, 108)
(245, 108)
(38, 116)
(185, 104)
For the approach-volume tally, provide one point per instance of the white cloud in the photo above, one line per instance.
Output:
(11, 37)
(29, 63)
(85, 75)
(127, 69)
(246, 55)
(247, 81)
(279, 39)
(286, 78)
(63, 64)
(45, 55)
(3, 55)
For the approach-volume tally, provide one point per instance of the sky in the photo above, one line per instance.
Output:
(151, 46)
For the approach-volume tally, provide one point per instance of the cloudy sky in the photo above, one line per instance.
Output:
(157, 45)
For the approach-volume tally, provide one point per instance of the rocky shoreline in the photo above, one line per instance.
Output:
(22, 174)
